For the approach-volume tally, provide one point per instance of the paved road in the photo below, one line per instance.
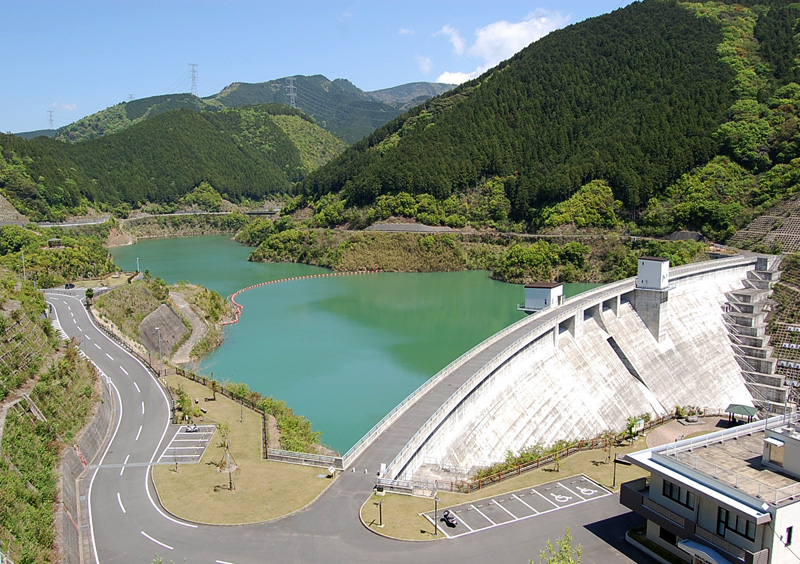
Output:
(127, 525)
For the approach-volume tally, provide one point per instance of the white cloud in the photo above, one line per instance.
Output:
(500, 40)
(66, 107)
(454, 77)
(405, 31)
(425, 64)
(455, 38)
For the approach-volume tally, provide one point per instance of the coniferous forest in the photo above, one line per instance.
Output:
(686, 111)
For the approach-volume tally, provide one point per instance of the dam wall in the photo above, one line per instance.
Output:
(589, 369)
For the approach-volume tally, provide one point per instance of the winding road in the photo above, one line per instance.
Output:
(127, 524)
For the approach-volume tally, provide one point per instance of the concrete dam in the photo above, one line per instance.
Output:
(695, 337)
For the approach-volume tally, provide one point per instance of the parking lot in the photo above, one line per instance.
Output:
(515, 506)
(187, 447)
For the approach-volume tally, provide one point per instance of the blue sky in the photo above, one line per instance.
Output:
(77, 57)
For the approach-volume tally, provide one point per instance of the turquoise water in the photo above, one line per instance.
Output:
(341, 351)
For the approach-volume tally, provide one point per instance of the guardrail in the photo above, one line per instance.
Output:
(305, 459)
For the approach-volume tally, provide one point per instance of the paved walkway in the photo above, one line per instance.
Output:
(674, 430)
(199, 329)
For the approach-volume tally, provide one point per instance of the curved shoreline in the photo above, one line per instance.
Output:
(240, 308)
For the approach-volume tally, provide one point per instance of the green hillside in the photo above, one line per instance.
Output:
(642, 99)
(406, 96)
(116, 118)
(338, 106)
(242, 153)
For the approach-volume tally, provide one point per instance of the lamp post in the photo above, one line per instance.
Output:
(436, 516)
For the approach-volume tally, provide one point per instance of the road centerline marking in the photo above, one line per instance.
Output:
(155, 541)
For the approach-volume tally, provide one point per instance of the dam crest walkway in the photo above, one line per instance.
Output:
(394, 440)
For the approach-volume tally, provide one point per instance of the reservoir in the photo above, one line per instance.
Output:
(341, 351)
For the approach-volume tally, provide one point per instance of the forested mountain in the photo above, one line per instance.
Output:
(337, 106)
(242, 153)
(406, 96)
(636, 98)
(38, 133)
(116, 118)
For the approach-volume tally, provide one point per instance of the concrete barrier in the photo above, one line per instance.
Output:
(72, 517)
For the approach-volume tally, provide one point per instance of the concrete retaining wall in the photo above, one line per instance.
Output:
(72, 520)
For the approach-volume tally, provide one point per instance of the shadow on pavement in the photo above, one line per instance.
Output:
(612, 532)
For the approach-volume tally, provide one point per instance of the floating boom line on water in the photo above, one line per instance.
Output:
(239, 307)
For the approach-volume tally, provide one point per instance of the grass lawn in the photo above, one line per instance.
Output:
(263, 489)
(401, 513)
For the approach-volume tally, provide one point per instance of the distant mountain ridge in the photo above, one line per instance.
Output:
(337, 105)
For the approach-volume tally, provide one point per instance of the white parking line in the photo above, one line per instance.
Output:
(155, 541)
(461, 521)
(484, 515)
(504, 509)
(524, 503)
(570, 491)
(544, 498)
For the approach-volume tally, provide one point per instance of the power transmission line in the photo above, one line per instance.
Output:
(50, 113)
(193, 66)
(291, 92)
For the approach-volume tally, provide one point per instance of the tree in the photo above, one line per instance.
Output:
(89, 296)
(562, 552)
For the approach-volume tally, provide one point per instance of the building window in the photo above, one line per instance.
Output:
(727, 521)
(678, 494)
(667, 536)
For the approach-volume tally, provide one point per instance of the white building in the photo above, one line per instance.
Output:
(542, 295)
(653, 273)
(727, 497)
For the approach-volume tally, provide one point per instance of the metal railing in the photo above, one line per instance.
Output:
(548, 320)
(683, 455)
(305, 459)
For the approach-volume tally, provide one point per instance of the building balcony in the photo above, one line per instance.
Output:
(635, 496)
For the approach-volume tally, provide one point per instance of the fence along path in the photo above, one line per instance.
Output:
(239, 307)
